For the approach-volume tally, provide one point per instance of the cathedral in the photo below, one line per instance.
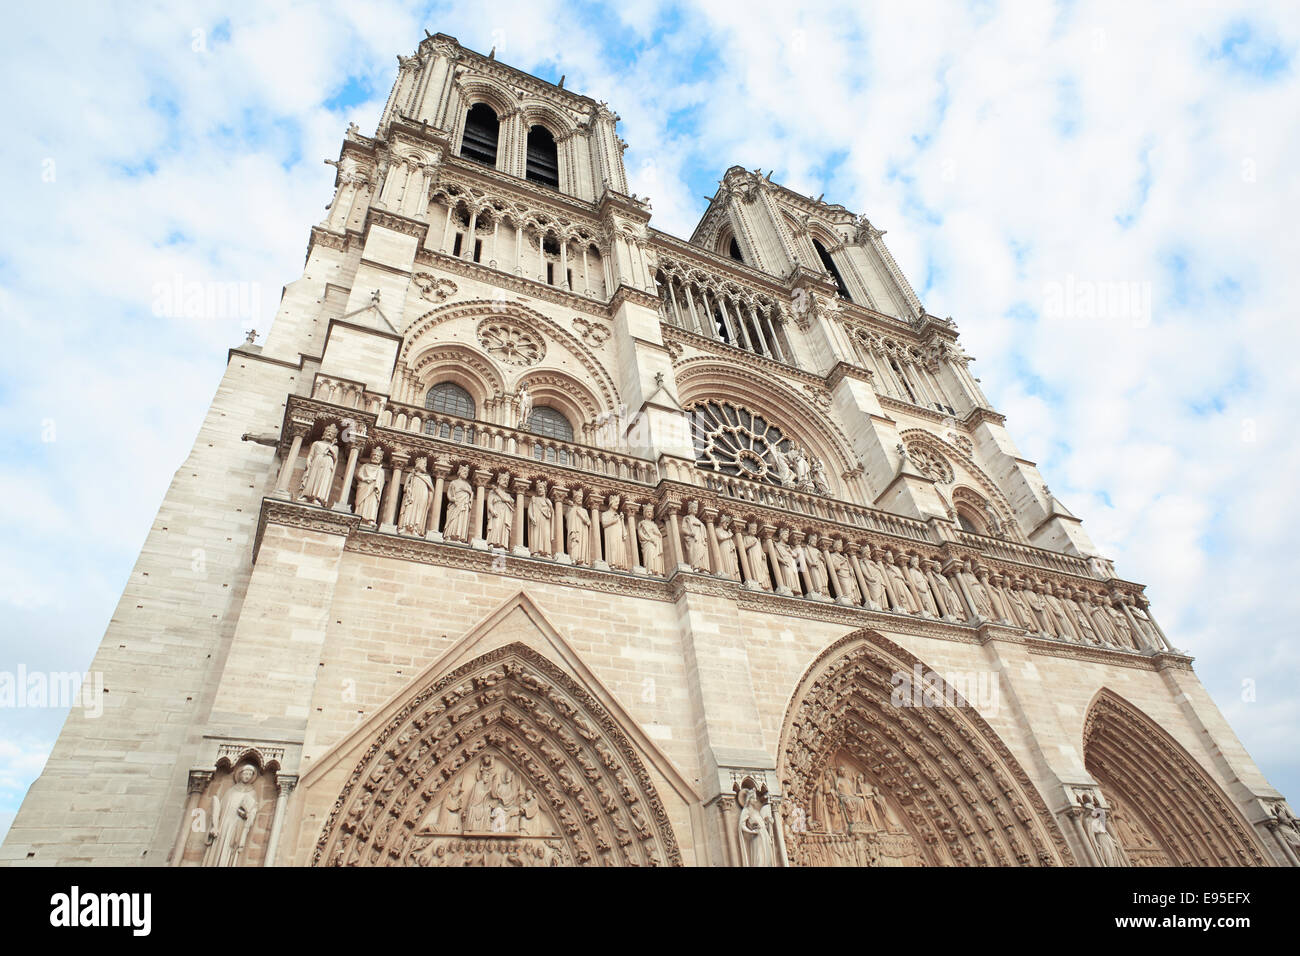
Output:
(531, 535)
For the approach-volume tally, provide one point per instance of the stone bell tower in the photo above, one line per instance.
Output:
(533, 535)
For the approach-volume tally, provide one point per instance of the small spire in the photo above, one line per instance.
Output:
(561, 83)
(492, 54)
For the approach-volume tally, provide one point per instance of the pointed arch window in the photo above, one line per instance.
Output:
(733, 250)
(543, 158)
(829, 265)
(482, 130)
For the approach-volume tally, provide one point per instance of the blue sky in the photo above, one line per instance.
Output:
(1011, 150)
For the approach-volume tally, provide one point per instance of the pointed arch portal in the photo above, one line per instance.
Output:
(504, 761)
(883, 763)
(1166, 809)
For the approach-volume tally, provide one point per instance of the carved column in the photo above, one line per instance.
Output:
(481, 478)
(594, 507)
(631, 509)
(742, 553)
(441, 468)
(559, 494)
(290, 461)
(199, 780)
(778, 575)
(856, 567)
(731, 824)
(673, 556)
(343, 504)
(285, 784)
(394, 489)
(517, 532)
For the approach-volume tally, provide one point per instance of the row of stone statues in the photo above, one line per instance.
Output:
(585, 528)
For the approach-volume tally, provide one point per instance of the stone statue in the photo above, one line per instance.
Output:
(417, 495)
(921, 585)
(500, 512)
(1103, 841)
(322, 459)
(525, 405)
(787, 563)
(478, 811)
(693, 537)
(801, 471)
(757, 559)
(579, 522)
(231, 820)
(820, 483)
(614, 535)
(460, 501)
(816, 563)
(844, 576)
(994, 521)
(874, 578)
(370, 486)
(983, 606)
(908, 602)
(782, 467)
(757, 847)
(727, 548)
(946, 594)
(852, 803)
(652, 541)
(530, 818)
(541, 523)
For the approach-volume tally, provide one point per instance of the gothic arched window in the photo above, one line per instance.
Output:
(735, 441)
(829, 264)
(543, 158)
(482, 129)
(549, 423)
(448, 398)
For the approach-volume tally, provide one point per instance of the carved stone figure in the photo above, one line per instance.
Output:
(727, 548)
(757, 559)
(478, 809)
(921, 585)
(1103, 841)
(541, 523)
(525, 405)
(322, 458)
(820, 483)
(983, 605)
(787, 563)
(579, 524)
(844, 576)
(417, 495)
(231, 819)
(652, 541)
(945, 594)
(818, 576)
(757, 847)
(874, 578)
(908, 602)
(800, 469)
(694, 538)
(781, 465)
(460, 502)
(500, 512)
(614, 535)
(370, 486)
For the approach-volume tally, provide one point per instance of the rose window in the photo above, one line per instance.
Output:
(735, 441)
(511, 343)
(930, 462)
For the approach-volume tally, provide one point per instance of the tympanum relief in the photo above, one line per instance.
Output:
(851, 823)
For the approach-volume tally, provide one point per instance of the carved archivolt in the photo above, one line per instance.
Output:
(1163, 791)
(506, 760)
(884, 763)
(468, 368)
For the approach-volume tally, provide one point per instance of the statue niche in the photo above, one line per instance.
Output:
(231, 824)
(851, 822)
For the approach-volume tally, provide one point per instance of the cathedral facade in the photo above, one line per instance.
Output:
(532, 535)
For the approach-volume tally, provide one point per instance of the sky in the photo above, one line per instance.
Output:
(1102, 195)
